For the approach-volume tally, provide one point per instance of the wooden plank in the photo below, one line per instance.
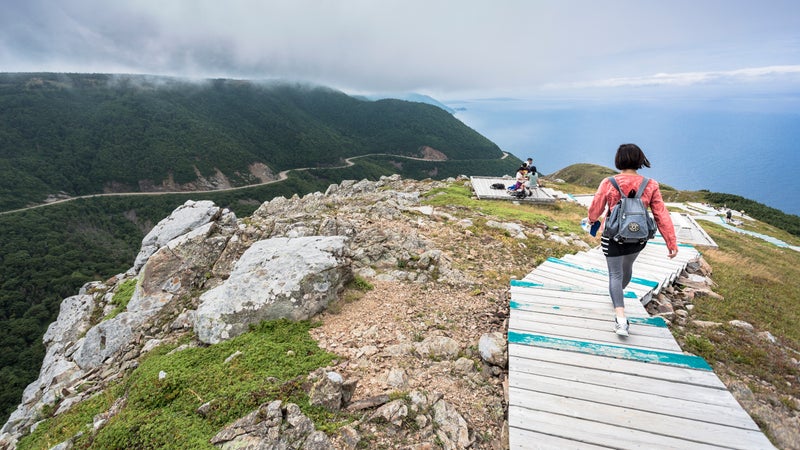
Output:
(657, 264)
(666, 389)
(655, 269)
(692, 431)
(649, 277)
(582, 337)
(600, 273)
(656, 356)
(598, 311)
(520, 439)
(601, 320)
(524, 356)
(598, 433)
(561, 298)
(591, 323)
(573, 277)
(518, 284)
(582, 277)
(685, 407)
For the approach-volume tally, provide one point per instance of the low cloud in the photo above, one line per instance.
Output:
(746, 75)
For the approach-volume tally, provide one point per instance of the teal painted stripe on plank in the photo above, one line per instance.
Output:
(520, 283)
(513, 304)
(642, 281)
(614, 351)
(664, 243)
(651, 321)
(646, 321)
(531, 284)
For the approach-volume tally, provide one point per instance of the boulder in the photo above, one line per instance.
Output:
(73, 319)
(106, 339)
(326, 390)
(438, 347)
(271, 426)
(493, 348)
(185, 218)
(292, 278)
(451, 426)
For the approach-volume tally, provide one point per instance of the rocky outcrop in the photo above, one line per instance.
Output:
(272, 425)
(292, 278)
(189, 216)
(84, 347)
(203, 270)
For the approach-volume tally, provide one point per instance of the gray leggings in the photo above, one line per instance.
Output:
(620, 271)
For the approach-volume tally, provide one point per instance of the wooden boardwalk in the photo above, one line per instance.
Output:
(482, 186)
(575, 384)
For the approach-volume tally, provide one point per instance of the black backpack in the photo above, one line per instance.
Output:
(629, 221)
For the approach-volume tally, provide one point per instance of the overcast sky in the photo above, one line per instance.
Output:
(448, 49)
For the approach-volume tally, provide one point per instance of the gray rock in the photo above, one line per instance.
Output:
(514, 230)
(401, 349)
(767, 336)
(741, 324)
(349, 437)
(317, 440)
(393, 412)
(438, 347)
(73, 320)
(465, 365)
(493, 348)
(106, 339)
(397, 379)
(706, 324)
(185, 218)
(451, 424)
(558, 239)
(326, 391)
(275, 278)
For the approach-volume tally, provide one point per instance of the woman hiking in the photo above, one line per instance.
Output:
(621, 256)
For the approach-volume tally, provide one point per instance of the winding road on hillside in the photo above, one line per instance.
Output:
(283, 175)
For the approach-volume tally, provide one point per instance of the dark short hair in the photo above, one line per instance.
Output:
(630, 156)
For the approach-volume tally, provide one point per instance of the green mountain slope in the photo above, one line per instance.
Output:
(82, 134)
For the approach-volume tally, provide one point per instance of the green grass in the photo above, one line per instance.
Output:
(758, 282)
(122, 297)
(163, 413)
(56, 429)
(562, 216)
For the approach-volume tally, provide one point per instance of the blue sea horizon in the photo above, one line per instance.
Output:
(749, 153)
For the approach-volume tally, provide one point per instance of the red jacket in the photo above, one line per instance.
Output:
(608, 196)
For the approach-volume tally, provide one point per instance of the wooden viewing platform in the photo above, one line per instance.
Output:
(573, 383)
(482, 186)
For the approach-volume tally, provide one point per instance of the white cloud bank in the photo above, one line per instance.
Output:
(747, 75)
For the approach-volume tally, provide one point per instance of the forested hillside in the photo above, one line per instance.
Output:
(82, 134)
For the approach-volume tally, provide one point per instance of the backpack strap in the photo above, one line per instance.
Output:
(613, 181)
(639, 193)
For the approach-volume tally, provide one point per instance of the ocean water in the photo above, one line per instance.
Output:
(748, 153)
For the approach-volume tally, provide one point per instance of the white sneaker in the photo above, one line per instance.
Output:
(621, 326)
